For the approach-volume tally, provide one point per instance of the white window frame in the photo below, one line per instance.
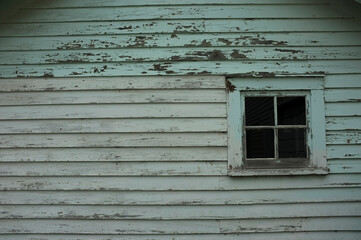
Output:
(311, 87)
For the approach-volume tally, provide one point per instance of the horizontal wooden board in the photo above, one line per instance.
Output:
(211, 168)
(343, 95)
(293, 39)
(111, 83)
(161, 227)
(343, 137)
(323, 235)
(276, 25)
(114, 125)
(178, 54)
(343, 152)
(113, 111)
(174, 12)
(181, 212)
(114, 96)
(118, 3)
(179, 26)
(114, 169)
(343, 81)
(239, 68)
(184, 198)
(114, 140)
(343, 109)
(343, 123)
(274, 84)
(344, 166)
(114, 154)
(178, 183)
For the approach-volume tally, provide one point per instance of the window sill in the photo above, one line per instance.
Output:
(278, 172)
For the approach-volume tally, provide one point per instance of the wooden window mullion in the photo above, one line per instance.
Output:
(275, 127)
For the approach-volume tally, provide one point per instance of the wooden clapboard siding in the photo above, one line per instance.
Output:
(124, 125)
(184, 227)
(325, 235)
(175, 26)
(200, 40)
(99, 141)
(114, 140)
(184, 198)
(145, 110)
(181, 212)
(113, 96)
(179, 54)
(166, 12)
(175, 183)
(243, 68)
(117, 3)
(110, 83)
(130, 154)
(151, 168)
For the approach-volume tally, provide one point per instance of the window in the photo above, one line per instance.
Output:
(276, 126)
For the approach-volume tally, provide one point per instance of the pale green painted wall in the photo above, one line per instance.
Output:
(94, 145)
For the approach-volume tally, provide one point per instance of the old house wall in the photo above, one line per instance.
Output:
(113, 119)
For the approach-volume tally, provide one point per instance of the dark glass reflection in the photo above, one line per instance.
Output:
(259, 111)
(291, 111)
(260, 143)
(292, 143)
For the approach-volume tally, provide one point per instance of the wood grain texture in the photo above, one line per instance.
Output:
(113, 111)
(118, 3)
(344, 137)
(345, 81)
(241, 68)
(167, 12)
(178, 54)
(323, 235)
(343, 123)
(174, 168)
(268, 211)
(204, 226)
(114, 154)
(114, 125)
(345, 151)
(343, 95)
(294, 39)
(114, 96)
(114, 140)
(183, 198)
(111, 83)
(189, 183)
(212, 168)
(91, 150)
(343, 109)
(179, 26)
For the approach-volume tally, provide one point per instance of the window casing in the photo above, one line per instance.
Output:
(309, 160)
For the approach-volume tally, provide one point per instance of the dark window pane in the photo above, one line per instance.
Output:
(291, 111)
(259, 111)
(260, 143)
(292, 143)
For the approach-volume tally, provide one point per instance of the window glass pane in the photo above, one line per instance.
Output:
(260, 143)
(291, 111)
(259, 111)
(292, 143)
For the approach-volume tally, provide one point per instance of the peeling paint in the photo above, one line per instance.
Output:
(289, 50)
(235, 54)
(229, 86)
(125, 28)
